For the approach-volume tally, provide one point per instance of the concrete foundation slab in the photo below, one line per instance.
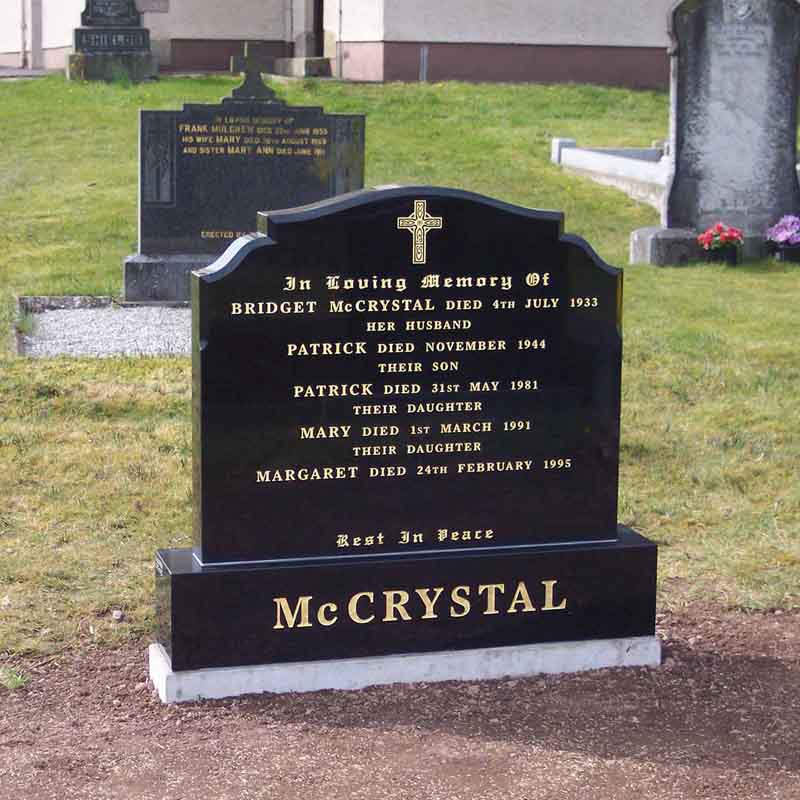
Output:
(357, 673)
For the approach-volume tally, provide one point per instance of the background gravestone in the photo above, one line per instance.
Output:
(111, 44)
(733, 124)
(393, 391)
(206, 171)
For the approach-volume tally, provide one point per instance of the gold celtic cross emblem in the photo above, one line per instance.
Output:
(418, 225)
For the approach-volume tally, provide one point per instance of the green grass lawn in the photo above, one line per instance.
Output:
(95, 456)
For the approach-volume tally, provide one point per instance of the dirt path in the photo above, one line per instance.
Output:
(721, 719)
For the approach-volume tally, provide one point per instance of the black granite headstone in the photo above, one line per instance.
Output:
(207, 170)
(399, 389)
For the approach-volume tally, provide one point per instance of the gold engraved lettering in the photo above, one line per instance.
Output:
(336, 283)
(437, 325)
(443, 447)
(374, 410)
(420, 224)
(456, 406)
(495, 466)
(521, 597)
(326, 349)
(395, 366)
(322, 614)
(380, 327)
(465, 427)
(333, 390)
(327, 432)
(352, 608)
(549, 597)
(428, 602)
(387, 472)
(504, 282)
(294, 284)
(396, 600)
(444, 535)
(399, 607)
(268, 308)
(375, 450)
(463, 305)
(402, 388)
(340, 473)
(380, 430)
(405, 304)
(534, 279)
(491, 590)
(283, 609)
(395, 347)
(458, 597)
(484, 386)
(542, 303)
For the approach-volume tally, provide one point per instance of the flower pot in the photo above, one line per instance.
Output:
(723, 255)
(788, 252)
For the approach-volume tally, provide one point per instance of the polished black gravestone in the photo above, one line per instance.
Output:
(406, 410)
(207, 170)
(111, 44)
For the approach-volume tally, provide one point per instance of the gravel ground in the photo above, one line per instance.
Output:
(109, 331)
(720, 720)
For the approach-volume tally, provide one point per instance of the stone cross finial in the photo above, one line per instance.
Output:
(253, 64)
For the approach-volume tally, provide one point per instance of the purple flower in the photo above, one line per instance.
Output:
(786, 231)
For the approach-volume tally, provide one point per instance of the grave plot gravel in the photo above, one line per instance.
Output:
(720, 720)
(109, 331)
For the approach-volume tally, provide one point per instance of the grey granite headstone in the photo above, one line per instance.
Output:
(111, 44)
(733, 123)
(206, 171)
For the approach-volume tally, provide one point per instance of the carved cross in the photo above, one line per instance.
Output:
(253, 65)
(419, 224)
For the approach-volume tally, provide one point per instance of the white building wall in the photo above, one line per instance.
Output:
(361, 20)
(59, 19)
(620, 23)
(10, 31)
(213, 19)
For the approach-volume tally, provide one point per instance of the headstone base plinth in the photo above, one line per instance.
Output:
(678, 246)
(161, 279)
(664, 246)
(134, 67)
(352, 622)
(303, 67)
(358, 673)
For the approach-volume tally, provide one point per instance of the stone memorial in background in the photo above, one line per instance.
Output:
(406, 421)
(206, 171)
(733, 125)
(256, 59)
(111, 44)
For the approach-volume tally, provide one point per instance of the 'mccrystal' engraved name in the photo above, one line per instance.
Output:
(406, 304)
(399, 605)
